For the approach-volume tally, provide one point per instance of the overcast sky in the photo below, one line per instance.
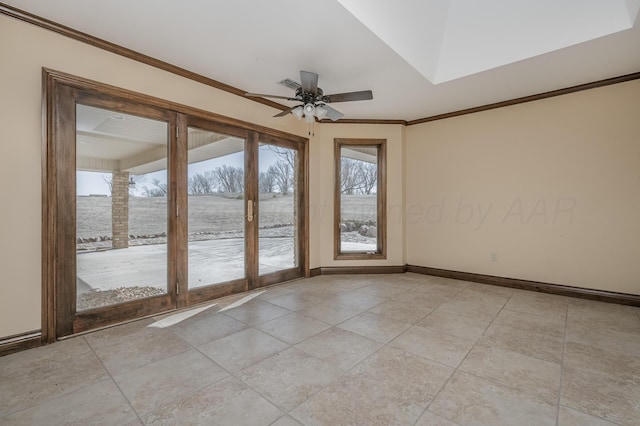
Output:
(94, 183)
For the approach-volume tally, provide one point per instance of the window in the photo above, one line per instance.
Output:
(360, 199)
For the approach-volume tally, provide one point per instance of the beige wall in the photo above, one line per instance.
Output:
(321, 191)
(24, 50)
(551, 187)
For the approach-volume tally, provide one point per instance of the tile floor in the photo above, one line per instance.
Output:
(331, 350)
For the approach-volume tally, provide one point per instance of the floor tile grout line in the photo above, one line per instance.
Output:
(597, 373)
(113, 380)
(503, 385)
(562, 377)
(262, 322)
(286, 412)
(155, 360)
(432, 310)
(336, 324)
(389, 344)
(469, 316)
(289, 345)
(229, 372)
(233, 374)
(345, 372)
(90, 350)
(446, 332)
(508, 386)
(534, 315)
(45, 401)
(460, 315)
(457, 368)
(564, 348)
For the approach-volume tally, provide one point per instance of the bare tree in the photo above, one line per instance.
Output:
(282, 175)
(357, 177)
(109, 182)
(229, 179)
(351, 177)
(284, 170)
(266, 182)
(285, 154)
(202, 183)
(369, 177)
(159, 189)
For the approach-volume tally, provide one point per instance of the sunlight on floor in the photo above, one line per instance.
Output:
(178, 317)
(243, 300)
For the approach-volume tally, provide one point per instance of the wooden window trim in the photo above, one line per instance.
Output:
(381, 252)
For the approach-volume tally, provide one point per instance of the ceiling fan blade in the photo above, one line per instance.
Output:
(287, 82)
(333, 114)
(309, 82)
(364, 95)
(259, 95)
(286, 111)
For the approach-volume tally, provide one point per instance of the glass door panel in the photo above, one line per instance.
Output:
(278, 208)
(216, 202)
(121, 207)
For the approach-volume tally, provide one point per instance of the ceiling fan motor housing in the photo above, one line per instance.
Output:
(307, 97)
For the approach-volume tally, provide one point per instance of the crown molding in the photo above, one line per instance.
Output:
(364, 121)
(531, 98)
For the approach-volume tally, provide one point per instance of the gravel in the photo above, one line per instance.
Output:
(99, 298)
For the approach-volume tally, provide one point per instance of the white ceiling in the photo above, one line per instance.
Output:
(477, 53)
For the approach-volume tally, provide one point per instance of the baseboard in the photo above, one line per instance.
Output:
(315, 272)
(340, 270)
(561, 290)
(20, 342)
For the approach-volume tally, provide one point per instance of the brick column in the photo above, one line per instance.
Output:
(120, 210)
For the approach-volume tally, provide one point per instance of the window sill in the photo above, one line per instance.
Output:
(360, 256)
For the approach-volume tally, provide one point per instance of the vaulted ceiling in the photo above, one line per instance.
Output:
(420, 57)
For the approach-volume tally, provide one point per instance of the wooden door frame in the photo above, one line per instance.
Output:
(56, 249)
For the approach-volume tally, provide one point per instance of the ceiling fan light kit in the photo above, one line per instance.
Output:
(298, 112)
(321, 112)
(309, 110)
(314, 101)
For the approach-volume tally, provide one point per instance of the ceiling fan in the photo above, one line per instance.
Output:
(313, 100)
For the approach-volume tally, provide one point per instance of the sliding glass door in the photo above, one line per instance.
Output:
(148, 209)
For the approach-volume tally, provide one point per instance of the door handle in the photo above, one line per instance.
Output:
(250, 211)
